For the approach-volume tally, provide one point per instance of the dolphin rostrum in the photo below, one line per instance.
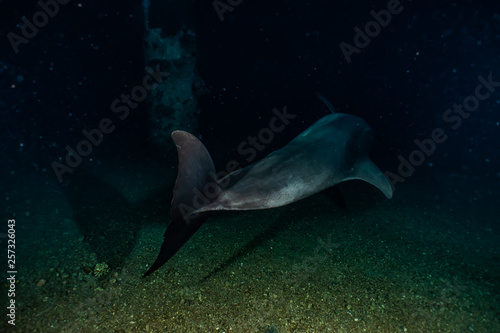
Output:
(332, 150)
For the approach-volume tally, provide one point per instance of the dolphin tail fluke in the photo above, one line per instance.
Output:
(175, 237)
(195, 187)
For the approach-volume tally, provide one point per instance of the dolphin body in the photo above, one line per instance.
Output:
(332, 150)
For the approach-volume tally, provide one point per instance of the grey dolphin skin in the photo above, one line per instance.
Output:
(332, 150)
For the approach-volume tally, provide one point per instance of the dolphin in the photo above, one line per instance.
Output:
(332, 150)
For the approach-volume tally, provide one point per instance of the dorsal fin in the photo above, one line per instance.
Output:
(327, 102)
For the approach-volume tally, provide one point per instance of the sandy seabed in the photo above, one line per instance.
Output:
(400, 265)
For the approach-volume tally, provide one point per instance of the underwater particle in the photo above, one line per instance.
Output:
(41, 283)
(101, 269)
